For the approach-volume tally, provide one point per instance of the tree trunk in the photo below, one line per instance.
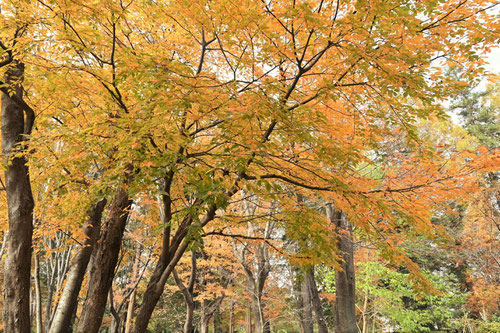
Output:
(316, 301)
(16, 306)
(130, 311)
(188, 324)
(38, 297)
(56, 269)
(204, 319)
(215, 321)
(187, 292)
(170, 256)
(345, 309)
(116, 323)
(306, 318)
(256, 280)
(153, 293)
(231, 318)
(249, 320)
(50, 292)
(104, 263)
(261, 323)
(131, 303)
(62, 322)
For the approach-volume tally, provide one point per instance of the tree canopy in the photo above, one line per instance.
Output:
(161, 126)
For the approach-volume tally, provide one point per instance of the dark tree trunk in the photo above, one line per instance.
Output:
(104, 262)
(16, 306)
(316, 301)
(345, 309)
(171, 253)
(62, 322)
(164, 267)
(172, 250)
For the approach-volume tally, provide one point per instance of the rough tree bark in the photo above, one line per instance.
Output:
(62, 322)
(15, 128)
(345, 308)
(103, 264)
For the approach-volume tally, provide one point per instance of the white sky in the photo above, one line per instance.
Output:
(494, 61)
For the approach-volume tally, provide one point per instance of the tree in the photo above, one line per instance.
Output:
(66, 306)
(345, 282)
(187, 293)
(391, 296)
(257, 268)
(480, 112)
(196, 102)
(17, 124)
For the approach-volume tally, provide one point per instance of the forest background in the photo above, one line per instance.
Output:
(259, 166)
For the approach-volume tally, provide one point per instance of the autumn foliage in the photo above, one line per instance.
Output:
(185, 155)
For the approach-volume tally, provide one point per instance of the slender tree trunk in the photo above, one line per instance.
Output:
(188, 324)
(299, 304)
(257, 316)
(32, 305)
(50, 292)
(171, 253)
(256, 280)
(16, 306)
(38, 297)
(316, 301)
(4, 242)
(306, 322)
(264, 268)
(131, 303)
(204, 319)
(187, 292)
(249, 320)
(130, 311)
(208, 311)
(215, 321)
(365, 317)
(231, 318)
(104, 263)
(56, 267)
(345, 309)
(152, 294)
(261, 322)
(62, 322)
(116, 323)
